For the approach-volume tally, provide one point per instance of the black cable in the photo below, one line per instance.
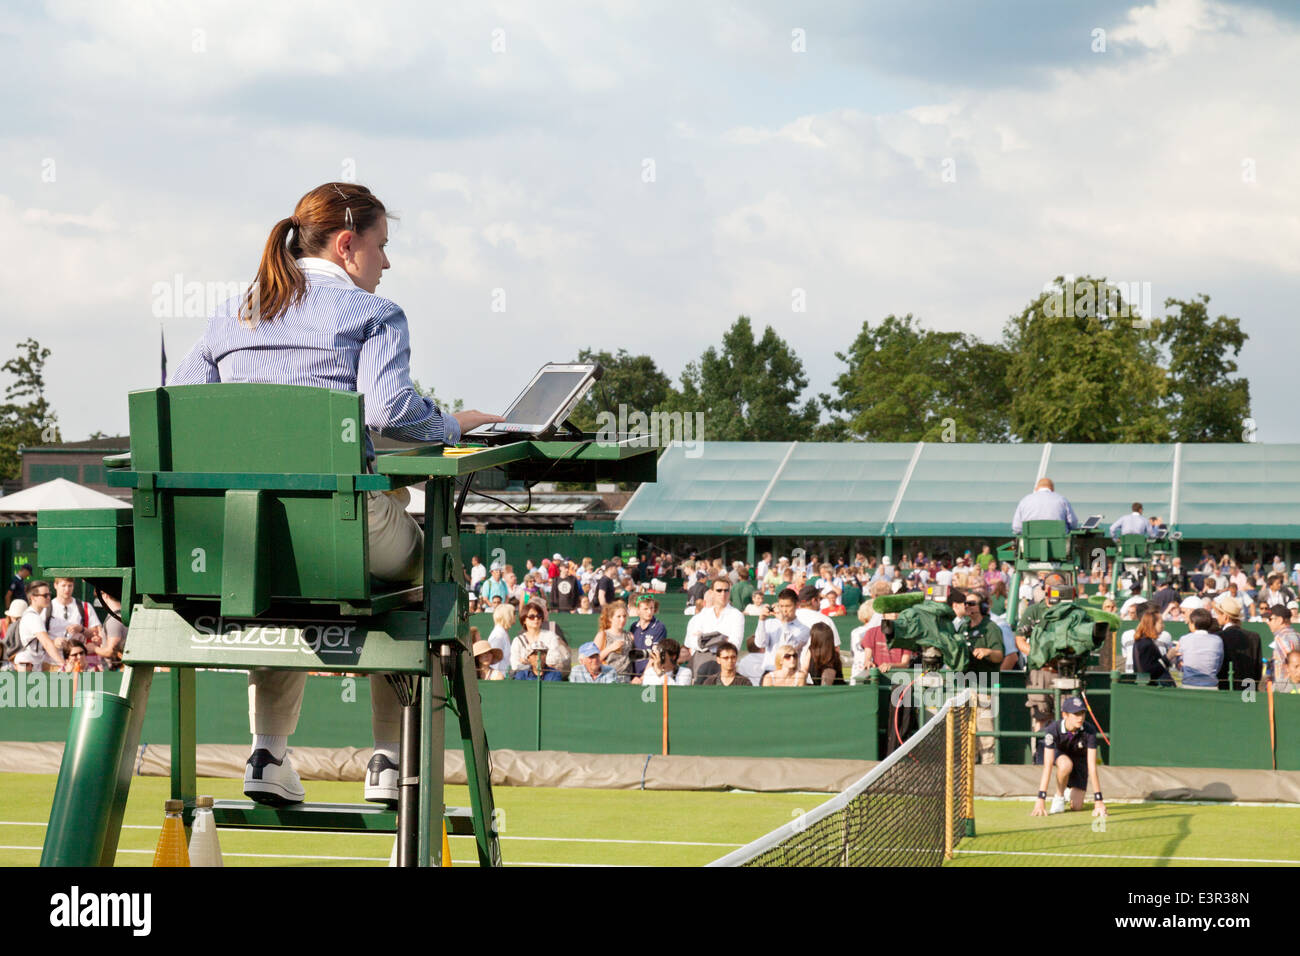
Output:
(500, 501)
(528, 487)
(404, 687)
(464, 490)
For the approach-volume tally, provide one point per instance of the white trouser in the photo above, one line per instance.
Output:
(397, 555)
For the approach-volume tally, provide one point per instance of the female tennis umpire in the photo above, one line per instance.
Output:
(312, 318)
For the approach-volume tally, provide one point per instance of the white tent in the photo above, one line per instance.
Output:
(57, 495)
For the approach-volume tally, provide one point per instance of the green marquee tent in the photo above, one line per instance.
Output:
(936, 489)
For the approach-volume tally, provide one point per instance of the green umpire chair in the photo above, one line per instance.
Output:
(249, 549)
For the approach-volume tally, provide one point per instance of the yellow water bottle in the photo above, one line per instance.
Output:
(171, 849)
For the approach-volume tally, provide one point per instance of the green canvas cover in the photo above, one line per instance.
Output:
(1065, 629)
(929, 624)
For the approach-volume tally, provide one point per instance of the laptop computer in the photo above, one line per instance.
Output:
(540, 410)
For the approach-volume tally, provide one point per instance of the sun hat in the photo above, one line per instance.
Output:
(483, 647)
(1229, 605)
(17, 608)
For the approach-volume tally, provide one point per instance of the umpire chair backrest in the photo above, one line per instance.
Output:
(253, 494)
(1134, 546)
(1045, 541)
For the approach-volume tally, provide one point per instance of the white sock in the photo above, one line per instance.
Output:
(388, 748)
(275, 743)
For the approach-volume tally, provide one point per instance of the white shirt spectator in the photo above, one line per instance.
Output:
(731, 623)
(1270, 597)
(1164, 642)
(500, 637)
(808, 617)
(653, 678)
(1201, 657)
(761, 571)
(771, 633)
(557, 654)
(943, 578)
(29, 625)
(61, 615)
(477, 573)
(855, 640)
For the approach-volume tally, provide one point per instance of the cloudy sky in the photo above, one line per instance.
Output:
(637, 175)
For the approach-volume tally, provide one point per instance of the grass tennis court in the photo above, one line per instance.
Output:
(567, 827)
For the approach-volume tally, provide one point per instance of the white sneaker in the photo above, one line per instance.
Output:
(1058, 804)
(271, 781)
(381, 780)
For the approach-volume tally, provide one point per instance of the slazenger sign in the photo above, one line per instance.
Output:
(304, 637)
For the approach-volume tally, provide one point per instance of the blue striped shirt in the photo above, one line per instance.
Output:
(1043, 505)
(338, 336)
(1132, 523)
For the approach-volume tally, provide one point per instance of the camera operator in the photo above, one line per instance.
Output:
(986, 649)
(1070, 749)
(1040, 705)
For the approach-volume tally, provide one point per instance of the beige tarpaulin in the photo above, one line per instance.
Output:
(517, 768)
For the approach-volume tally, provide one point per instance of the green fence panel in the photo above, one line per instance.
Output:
(510, 710)
(335, 710)
(612, 718)
(1172, 727)
(1286, 711)
(837, 722)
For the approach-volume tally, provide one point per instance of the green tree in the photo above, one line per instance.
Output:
(455, 405)
(1203, 403)
(26, 418)
(907, 383)
(749, 390)
(1082, 369)
(633, 381)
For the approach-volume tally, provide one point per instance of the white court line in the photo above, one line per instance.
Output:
(503, 836)
(366, 859)
(466, 836)
(1121, 856)
(1133, 801)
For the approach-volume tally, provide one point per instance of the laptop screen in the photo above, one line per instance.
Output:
(544, 397)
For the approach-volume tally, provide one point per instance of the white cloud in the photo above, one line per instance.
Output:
(523, 171)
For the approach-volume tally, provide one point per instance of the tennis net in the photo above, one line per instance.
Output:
(910, 810)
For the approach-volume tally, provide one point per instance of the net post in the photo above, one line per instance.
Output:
(971, 746)
(948, 782)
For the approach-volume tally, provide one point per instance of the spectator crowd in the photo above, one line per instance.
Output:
(46, 628)
(771, 624)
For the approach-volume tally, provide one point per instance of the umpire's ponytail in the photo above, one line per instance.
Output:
(318, 216)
